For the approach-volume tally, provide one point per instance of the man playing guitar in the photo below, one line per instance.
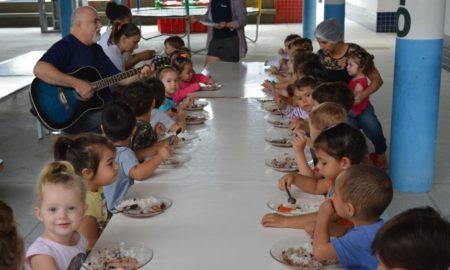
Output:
(76, 50)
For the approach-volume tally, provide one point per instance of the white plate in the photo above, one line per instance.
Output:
(292, 168)
(210, 87)
(276, 141)
(277, 250)
(98, 257)
(175, 161)
(277, 121)
(200, 117)
(140, 213)
(302, 205)
(198, 105)
(265, 100)
(184, 138)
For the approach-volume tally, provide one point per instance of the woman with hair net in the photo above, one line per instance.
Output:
(333, 54)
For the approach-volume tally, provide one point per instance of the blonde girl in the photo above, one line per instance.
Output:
(60, 194)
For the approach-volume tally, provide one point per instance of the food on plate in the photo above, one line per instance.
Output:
(142, 206)
(111, 258)
(301, 256)
(287, 162)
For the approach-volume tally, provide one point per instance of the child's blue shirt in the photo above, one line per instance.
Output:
(353, 249)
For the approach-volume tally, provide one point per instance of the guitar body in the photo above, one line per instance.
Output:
(58, 107)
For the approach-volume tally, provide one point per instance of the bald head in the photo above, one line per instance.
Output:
(86, 25)
(82, 13)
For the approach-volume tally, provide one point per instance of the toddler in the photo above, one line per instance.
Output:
(61, 196)
(11, 244)
(189, 81)
(361, 195)
(415, 239)
(172, 43)
(362, 115)
(337, 92)
(92, 157)
(119, 125)
(337, 148)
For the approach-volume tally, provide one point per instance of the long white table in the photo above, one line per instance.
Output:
(219, 198)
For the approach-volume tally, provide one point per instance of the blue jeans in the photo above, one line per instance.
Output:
(368, 122)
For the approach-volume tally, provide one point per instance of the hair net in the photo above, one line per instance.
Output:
(329, 30)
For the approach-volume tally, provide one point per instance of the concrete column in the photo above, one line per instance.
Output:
(66, 10)
(335, 9)
(309, 18)
(417, 81)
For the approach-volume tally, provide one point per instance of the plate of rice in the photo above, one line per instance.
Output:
(144, 207)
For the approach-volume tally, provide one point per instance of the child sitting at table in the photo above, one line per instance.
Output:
(362, 115)
(139, 96)
(282, 67)
(189, 80)
(172, 43)
(337, 148)
(337, 92)
(323, 116)
(119, 125)
(417, 238)
(361, 195)
(92, 157)
(11, 244)
(61, 196)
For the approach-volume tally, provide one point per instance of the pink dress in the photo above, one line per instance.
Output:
(359, 108)
(189, 87)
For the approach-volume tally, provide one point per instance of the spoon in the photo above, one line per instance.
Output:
(291, 199)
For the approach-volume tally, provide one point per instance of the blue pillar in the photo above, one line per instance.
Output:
(417, 78)
(309, 18)
(66, 10)
(335, 9)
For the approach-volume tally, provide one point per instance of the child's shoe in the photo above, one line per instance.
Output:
(379, 160)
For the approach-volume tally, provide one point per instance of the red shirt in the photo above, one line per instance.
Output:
(359, 108)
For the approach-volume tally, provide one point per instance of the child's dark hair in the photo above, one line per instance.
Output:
(336, 92)
(367, 188)
(118, 121)
(156, 87)
(119, 30)
(174, 41)
(81, 151)
(116, 12)
(311, 66)
(418, 238)
(290, 90)
(11, 244)
(305, 82)
(362, 58)
(291, 37)
(139, 97)
(342, 140)
(303, 44)
(180, 52)
(180, 61)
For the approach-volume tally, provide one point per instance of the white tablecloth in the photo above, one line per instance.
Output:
(219, 198)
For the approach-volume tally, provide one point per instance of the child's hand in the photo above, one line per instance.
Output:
(274, 220)
(211, 81)
(160, 129)
(299, 140)
(294, 124)
(164, 153)
(327, 208)
(309, 228)
(268, 85)
(289, 179)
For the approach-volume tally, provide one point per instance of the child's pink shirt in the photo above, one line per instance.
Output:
(189, 87)
(62, 254)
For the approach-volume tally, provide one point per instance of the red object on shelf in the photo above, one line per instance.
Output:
(177, 26)
(288, 11)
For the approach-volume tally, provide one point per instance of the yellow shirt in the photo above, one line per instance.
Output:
(96, 206)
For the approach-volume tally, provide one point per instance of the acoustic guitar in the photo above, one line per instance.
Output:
(58, 107)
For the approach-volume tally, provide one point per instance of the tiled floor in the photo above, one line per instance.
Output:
(24, 155)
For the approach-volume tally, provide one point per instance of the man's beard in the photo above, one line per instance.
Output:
(96, 37)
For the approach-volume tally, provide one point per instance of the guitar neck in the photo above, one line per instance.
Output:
(100, 84)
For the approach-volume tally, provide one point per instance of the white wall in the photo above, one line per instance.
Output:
(388, 5)
(371, 5)
(447, 18)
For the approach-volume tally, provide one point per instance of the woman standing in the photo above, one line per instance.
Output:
(226, 40)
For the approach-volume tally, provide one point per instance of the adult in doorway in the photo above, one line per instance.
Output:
(334, 55)
(76, 50)
(226, 40)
